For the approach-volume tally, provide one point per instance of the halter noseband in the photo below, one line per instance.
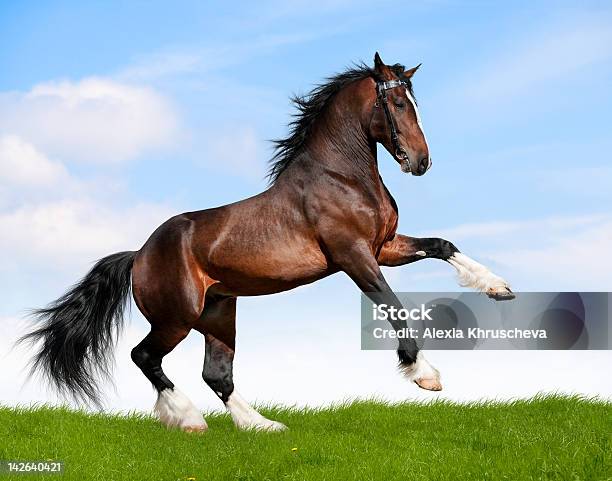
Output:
(381, 89)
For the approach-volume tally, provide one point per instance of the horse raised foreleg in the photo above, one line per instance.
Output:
(404, 250)
(218, 324)
(363, 269)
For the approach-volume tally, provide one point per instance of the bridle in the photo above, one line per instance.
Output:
(381, 98)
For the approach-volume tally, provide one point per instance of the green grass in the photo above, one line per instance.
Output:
(544, 438)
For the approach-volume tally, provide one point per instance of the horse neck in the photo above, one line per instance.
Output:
(340, 147)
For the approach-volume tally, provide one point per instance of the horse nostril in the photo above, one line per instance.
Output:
(424, 164)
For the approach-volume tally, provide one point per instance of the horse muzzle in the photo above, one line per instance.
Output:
(415, 168)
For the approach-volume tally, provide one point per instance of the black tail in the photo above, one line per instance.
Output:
(79, 329)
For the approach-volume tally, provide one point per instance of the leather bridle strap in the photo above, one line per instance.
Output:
(381, 88)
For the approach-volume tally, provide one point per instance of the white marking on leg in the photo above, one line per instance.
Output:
(422, 373)
(245, 417)
(421, 253)
(174, 409)
(475, 275)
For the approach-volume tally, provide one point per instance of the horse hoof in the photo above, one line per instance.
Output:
(195, 429)
(266, 426)
(429, 384)
(271, 426)
(274, 426)
(501, 294)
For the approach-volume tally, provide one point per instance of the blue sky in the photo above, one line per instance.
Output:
(115, 116)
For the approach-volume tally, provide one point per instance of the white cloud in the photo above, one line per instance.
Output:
(21, 164)
(70, 231)
(91, 120)
(51, 217)
(28, 175)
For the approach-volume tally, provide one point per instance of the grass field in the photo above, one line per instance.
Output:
(544, 438)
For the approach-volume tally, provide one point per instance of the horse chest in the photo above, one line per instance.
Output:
(388, 217)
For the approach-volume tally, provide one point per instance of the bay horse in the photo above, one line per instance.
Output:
(326, 210)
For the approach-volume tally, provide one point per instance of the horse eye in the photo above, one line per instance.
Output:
(400, 104)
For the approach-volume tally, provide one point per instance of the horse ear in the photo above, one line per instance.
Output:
(378, 63)
(410, 72)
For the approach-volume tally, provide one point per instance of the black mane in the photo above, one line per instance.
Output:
(309, 108)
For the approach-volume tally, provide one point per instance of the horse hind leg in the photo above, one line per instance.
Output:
(218, 324)
(168, 290)
(173, 408)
